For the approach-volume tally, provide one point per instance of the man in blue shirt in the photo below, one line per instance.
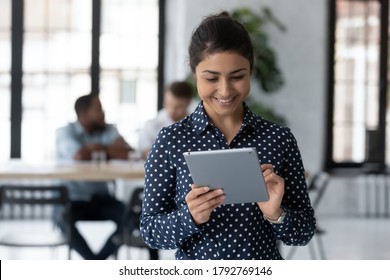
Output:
(177, 99)
(91, 200)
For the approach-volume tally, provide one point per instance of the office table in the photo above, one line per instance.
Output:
(21, 172)
(75, 171)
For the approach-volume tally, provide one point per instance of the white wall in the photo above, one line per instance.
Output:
(301, 52)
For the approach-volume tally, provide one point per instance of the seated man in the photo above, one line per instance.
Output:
(91, 200)
(177, 98)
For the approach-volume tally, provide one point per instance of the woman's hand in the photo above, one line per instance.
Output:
(275, 186)
(201, 202)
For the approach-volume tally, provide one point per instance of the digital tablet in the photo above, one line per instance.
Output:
(236, 171)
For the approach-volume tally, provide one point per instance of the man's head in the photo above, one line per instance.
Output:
(90, 112)
(177, 98)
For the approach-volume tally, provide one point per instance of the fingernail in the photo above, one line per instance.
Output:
(206, 189)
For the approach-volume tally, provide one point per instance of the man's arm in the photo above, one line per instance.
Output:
(119, 149)
(85, 152)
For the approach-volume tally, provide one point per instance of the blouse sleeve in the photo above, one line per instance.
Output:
(164, 224)
(299, 224)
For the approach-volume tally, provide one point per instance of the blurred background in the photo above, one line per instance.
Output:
(332, 56)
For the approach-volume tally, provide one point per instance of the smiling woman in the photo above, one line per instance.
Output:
(194, 219)
(223, 82)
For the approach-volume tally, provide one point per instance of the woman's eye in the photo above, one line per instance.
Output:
(237, 77)
(211, 79)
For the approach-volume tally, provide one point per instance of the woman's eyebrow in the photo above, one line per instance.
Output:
(218, 73)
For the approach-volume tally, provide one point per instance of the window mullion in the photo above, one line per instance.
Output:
(383, 80)
(95, 63)
(16, 77)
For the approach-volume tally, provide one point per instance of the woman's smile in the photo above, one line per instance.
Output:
(224, 101)
(223, 82)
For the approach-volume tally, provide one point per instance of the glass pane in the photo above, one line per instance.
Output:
(5, 51)
(80, 16)
(5, 79)
(356, 109)
(34, 52)
(129, 60)
(387, 158)
(58, 14)
(5, 106)
(129, 116)
(57, 60)
(5, 139)
(35, 15)
(48, 103)
(349, 143)
(5, 18)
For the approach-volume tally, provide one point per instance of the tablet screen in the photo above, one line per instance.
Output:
(236, 171)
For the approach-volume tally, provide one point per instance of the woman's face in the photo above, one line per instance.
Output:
(223, 82)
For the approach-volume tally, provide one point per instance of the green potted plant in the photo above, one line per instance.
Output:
(266, 70)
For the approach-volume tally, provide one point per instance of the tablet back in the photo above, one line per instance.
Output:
(237, 171)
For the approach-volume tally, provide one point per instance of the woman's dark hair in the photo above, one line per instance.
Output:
(218, 33)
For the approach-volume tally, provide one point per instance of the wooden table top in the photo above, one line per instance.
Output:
(83, 171)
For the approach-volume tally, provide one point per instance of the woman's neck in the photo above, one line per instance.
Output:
(228, 125)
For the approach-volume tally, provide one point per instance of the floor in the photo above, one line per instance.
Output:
(348, 239)
(343, 239)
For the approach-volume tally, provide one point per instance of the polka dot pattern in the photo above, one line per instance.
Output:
(235, 231)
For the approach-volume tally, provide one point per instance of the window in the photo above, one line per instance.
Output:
(56, 65)
(59, 61)
(129, 60)
(357, 127)
(5, 78)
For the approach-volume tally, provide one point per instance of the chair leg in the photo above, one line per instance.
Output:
(312, 250)
(321, 249)
(127, 253)
(116, 253)
(320, 245)
(153, 254)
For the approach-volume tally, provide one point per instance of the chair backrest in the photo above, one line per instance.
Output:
(29, 202)
(135, 202)
(134, 209)
(318, 183)
(30, 214)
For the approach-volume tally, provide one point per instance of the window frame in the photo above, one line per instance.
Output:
(330, 164)
(17, 34)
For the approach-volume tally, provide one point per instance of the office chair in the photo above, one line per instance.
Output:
(27, 212)
(131, 233)
(318, 184)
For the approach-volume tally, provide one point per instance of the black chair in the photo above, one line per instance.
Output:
(131, 233)
(318, 184)
(27, 212)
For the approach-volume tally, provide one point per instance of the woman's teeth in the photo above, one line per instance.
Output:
(224, 100)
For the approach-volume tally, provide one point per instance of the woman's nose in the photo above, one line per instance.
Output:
(225, 87)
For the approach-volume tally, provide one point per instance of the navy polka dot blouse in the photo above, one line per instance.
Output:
(234, 231)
